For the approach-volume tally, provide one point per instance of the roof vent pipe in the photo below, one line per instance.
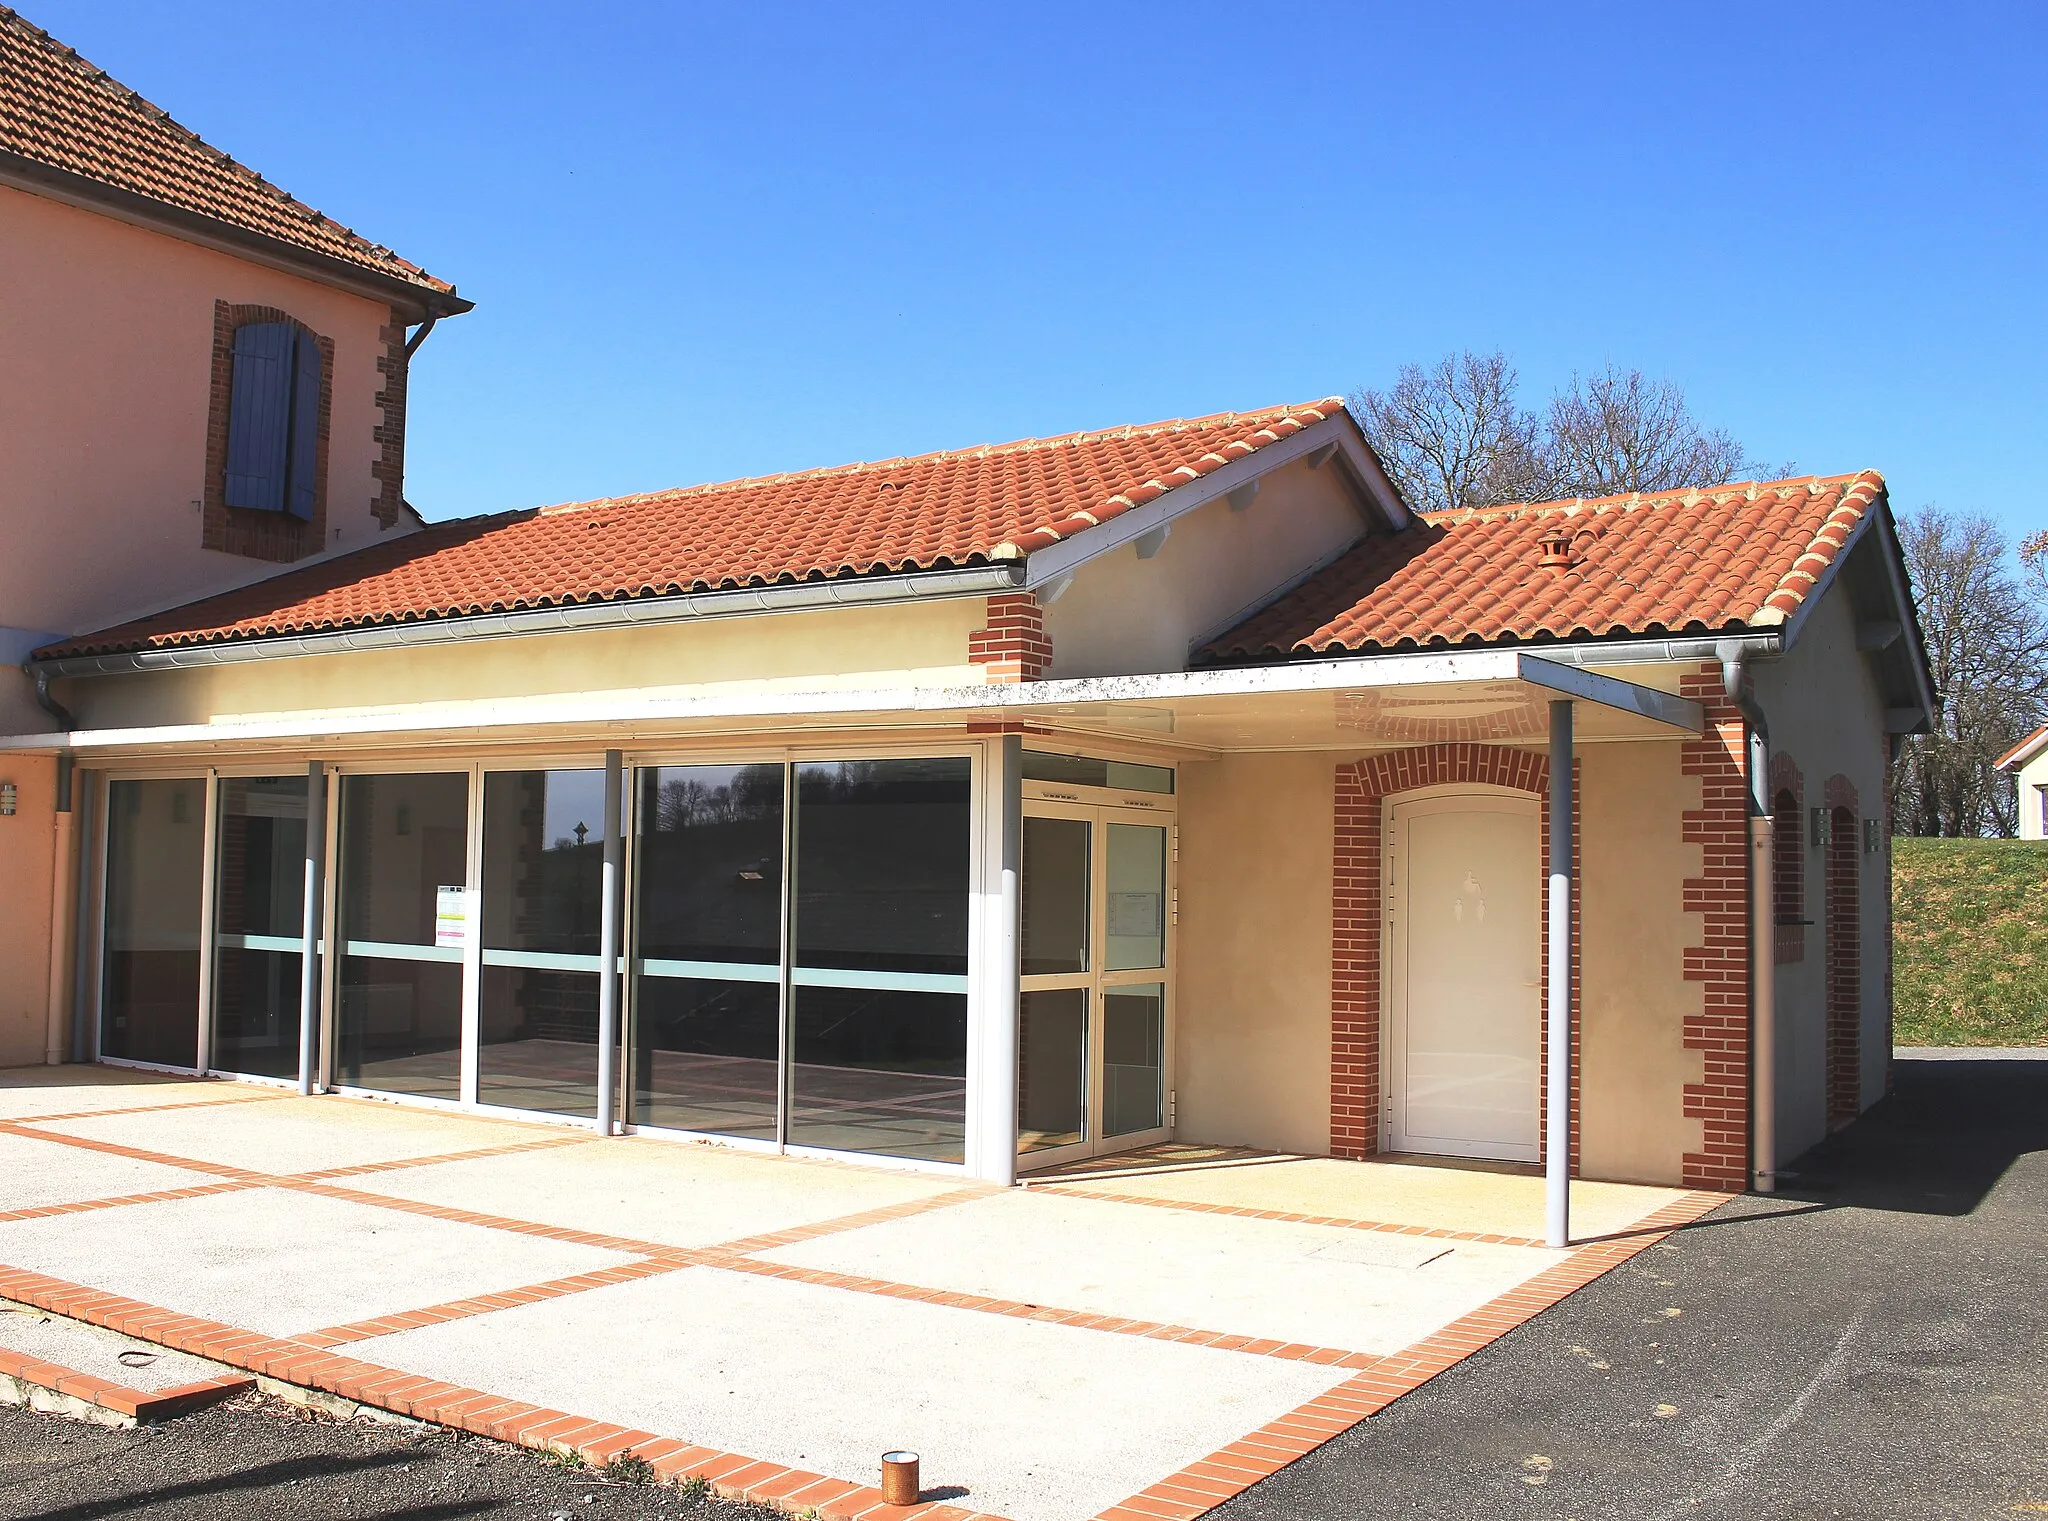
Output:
(1763, 1019)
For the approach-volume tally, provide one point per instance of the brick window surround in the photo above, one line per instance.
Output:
(1363, 788)
(1014, 646)
(258, 535)
(1844, 954)
(1788, 860)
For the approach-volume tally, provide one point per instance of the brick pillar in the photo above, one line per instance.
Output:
(1013, 647)
(1720, 962)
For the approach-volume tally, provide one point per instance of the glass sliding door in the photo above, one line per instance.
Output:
(259, 925)
(878, 1028)
(403, 925)
(707, 994)
(1058, 985)
(543, 876)
(156, 851)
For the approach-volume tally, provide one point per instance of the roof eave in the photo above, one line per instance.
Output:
(21, 172)
(2023, 752)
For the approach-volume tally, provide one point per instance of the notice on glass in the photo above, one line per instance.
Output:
(1134, 914)
(451, 917)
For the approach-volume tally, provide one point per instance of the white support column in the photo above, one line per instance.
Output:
(608, 944)
(209, 919)
(992, 1022)
(309, 934)
(1557, 1152)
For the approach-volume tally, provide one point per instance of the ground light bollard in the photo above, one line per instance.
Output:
(899, 1478)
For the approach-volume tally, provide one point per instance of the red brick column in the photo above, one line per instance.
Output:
(1720, 962)
(1013, 646)
(1357, 894)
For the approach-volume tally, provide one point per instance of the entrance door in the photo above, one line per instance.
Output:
(1463, 937)
(1092, 1012)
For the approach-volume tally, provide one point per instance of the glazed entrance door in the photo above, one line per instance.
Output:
(1092, 1024)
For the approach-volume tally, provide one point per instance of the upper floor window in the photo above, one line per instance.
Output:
(274, 420)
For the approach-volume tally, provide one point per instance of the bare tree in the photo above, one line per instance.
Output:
(1620, 431)
(1453, 435)
(1987, 645)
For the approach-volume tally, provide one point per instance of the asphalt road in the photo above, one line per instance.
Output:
(260, 1460)
(1870, 1343)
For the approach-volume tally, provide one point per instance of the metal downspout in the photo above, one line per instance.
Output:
(39, 676)
(1763, 1018)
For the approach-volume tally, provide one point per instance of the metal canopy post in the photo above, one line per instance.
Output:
(608, 944)
(309, 929)
(1557, 1152)
(993, 1024)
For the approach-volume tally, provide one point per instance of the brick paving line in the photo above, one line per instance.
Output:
(100, 1114)
(137, 1404)
(1229, 1471)
(1247, 1212)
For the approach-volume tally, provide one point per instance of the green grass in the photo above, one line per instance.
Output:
(1970, 942)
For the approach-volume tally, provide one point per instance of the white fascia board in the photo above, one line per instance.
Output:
(939, 704)
(1056, 560)
(1583, 685)
(1902, 605)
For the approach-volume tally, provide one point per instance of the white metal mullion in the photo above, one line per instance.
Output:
(209, 884)
(329, 1022)
(101, 856)
(785, 1011)
(472, 942)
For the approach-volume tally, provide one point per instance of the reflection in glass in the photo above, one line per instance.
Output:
(1055, 896)
(260, 927)
(1133, 1058)
(1137, 897)
(708, 925)
(404, 866)
(543, 891)
(1084, 771)
(1052, 1067)
(879, 1030)
(156, 838)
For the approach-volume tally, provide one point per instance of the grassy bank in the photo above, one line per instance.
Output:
(1970, 942)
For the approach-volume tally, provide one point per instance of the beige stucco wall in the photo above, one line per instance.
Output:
(26, 860)
(106, 345)
(920, 644)
(1827, 713)
(1127, 616)
(2032, 781)
(1634, 999)
(1252, 1042)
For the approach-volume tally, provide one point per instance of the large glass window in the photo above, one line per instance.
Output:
(259, 925)
(543, 879)
(879, 1028)
(708, 922)
(156, 842)
(404, 923)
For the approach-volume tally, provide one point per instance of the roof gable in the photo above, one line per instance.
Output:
(1739, 557)
(66, 122)
(984, 506)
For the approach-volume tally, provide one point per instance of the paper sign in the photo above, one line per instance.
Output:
(451, 916)
(1134, 915)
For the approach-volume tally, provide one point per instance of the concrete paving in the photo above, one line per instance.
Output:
(27, 1091)
(676, 1193)
(42, 1173)
(1015, 1413)
(1363, 1291)
(1028, 1420)
(102, 1353)
(285, 1263)
(1480, 1197)
(292, 1135)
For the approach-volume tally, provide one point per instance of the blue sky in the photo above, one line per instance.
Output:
(716, 241)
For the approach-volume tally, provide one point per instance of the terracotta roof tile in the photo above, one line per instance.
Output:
(961, 508)
(1721, 558)
(60, 111)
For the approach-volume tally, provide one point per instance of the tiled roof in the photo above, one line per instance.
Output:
(967, 507)
(60, 111)
(1695, 561)
(2024, 751)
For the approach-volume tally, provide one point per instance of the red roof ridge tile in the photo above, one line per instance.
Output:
(339, 240)
(1627, 501)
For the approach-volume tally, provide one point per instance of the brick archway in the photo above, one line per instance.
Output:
(1357, 910)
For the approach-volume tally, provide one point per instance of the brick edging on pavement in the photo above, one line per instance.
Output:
(31, 1373)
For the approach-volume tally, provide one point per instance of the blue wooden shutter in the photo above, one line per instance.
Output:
(305, 428)
(259, 409)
